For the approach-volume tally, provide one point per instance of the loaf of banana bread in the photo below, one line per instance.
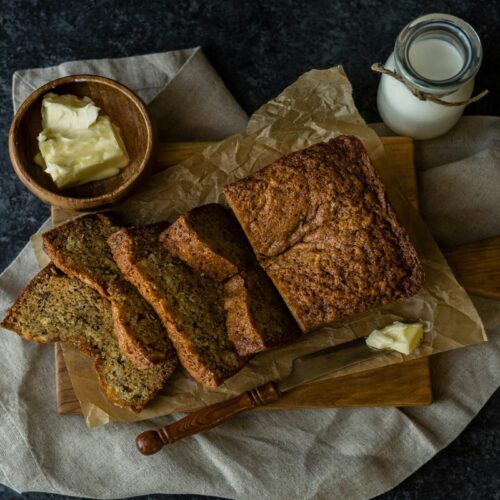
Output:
(79, 248)
(189, 304)
(58, 308)
(323, 229)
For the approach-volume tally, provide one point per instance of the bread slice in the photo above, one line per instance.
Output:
(189, 304)
(257, 318)
(323, 229)
(58, 308)
(209, 239)
(79, 248)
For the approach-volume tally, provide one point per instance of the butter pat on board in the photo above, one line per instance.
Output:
(398, 336)
(77, 145)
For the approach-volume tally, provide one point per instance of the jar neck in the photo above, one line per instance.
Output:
(425, 40)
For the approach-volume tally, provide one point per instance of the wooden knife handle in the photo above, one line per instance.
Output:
(150, 442)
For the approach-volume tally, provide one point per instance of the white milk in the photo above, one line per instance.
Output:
(406, 114)
(437, 54)
(435, 59)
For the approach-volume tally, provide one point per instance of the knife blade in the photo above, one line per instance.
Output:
(318, 364)
(305, 369)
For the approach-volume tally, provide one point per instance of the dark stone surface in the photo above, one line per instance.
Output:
(258, 47)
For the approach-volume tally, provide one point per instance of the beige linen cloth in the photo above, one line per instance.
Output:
(344, 453)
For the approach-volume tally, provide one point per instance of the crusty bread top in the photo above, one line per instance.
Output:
(321, 225)
(57, 308)
(209, 239)
(189, 304)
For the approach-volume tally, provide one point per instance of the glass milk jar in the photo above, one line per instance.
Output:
(438, 55)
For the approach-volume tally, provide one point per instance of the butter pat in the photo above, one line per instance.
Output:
(77, 145)
(401, 337)
(63, 113)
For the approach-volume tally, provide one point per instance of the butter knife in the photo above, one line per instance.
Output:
(304, 369)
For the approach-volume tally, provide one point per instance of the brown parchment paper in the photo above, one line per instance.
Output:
(317, 107)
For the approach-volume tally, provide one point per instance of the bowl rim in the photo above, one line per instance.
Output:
(57, 199)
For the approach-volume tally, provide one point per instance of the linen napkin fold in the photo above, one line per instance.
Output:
(187, 98)
(459, 179)
(344, 453)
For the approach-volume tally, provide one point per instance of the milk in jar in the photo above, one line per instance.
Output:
(437, 54)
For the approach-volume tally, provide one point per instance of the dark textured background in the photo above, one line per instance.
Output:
(258, 47)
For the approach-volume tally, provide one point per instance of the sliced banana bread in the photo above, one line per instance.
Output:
(257, 318)
(210, 240)
(189, 304)
(323, 229)
(58, 308)
(79, 248)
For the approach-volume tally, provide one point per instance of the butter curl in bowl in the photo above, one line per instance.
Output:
(81, 142)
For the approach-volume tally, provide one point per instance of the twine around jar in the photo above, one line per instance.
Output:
(425, 96)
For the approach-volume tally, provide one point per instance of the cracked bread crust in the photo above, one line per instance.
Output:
(257, 318)
(79, 248)
(209, 239)
(323, 229)
(189, 304)
(58, 308)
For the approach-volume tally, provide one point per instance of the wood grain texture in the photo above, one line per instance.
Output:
(67, 403)
(125, 109)
(206, 418)
(169, 154)
(477, 266)
(404, 384)
(400, 151)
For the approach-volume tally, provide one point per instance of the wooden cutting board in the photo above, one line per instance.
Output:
(403, 384)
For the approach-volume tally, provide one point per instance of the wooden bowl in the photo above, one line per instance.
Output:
(125, 110)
